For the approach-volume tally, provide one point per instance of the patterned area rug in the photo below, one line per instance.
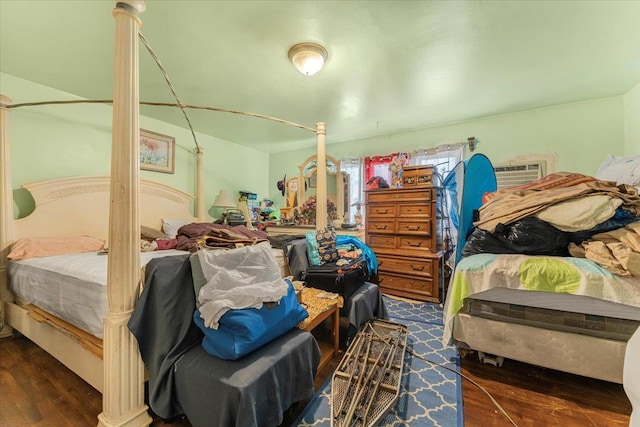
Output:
(429, 395)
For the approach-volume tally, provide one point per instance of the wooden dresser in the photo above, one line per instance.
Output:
(401, 230)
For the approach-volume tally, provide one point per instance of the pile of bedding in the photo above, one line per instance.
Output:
(563, 214)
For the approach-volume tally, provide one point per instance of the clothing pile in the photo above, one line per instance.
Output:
(205, 234)
(563, 214)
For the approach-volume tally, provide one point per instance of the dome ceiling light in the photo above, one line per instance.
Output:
(308, 58)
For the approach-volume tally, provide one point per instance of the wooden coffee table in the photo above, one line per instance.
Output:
(319, 310)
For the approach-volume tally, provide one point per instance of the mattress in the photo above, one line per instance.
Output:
(72, 287)
(556, 283)
(619, 329)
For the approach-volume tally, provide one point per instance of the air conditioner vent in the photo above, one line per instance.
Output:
(509, 175)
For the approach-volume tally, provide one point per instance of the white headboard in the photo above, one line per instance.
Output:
(80, 205)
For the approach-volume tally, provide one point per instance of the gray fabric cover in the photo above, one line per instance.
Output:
(296, 253)
(252, 391)
(365, 304)
(198, 276)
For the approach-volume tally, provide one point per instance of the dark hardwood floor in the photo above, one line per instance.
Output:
(36, 390)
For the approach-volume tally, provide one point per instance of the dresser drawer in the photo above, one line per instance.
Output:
(417, 177)
(414, 210)
(381, 211)
(411, 266)
(399, 194)
(418, 228)
(421, 288)
(381, 241)
(415, 243)
(381, 226)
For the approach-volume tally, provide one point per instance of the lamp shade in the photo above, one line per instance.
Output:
(223, 201)
(308, 58)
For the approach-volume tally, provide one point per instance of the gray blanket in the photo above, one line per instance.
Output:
(252, 391)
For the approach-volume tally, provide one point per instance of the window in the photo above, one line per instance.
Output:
(354, 168)
(444, 158)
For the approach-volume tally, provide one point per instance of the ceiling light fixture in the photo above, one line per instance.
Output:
(308, 58)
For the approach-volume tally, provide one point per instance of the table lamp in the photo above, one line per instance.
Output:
(224, 201)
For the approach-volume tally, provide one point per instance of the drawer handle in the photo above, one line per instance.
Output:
(414, 244)
(384, 227)
(380, 212)
(417, 267)
(410, 228)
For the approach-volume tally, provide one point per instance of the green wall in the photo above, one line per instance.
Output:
(581, 134)
(632, 121)
(69, 140)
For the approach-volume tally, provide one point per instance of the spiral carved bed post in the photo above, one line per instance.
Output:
(6, 205)
(321, 172)
(123, 396)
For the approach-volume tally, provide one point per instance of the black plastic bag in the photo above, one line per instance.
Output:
(528, 236)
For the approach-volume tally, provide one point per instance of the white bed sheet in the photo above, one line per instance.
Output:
(71, 287)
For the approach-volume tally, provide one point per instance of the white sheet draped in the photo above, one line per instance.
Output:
(238, 278)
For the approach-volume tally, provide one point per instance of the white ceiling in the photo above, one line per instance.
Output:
(393, 65)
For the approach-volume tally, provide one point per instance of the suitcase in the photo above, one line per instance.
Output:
(343, 280)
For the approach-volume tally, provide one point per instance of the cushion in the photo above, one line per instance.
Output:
(327, 245)
(312, 248)
(242, 331)
(321, 246)
(150, 233)
(31, 247)
(171, 226)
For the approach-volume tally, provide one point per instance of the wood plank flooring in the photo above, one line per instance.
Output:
(36, 390)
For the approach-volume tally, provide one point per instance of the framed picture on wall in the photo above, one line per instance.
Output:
(157, 152)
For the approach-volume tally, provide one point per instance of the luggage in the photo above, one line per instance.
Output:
(343, 280)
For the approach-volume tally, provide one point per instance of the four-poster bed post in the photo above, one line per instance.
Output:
(321, 190)
(6, 198)
(123, 395)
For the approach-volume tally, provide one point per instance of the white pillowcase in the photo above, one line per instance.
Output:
(580, 214)
(170, 226)
(622, 170)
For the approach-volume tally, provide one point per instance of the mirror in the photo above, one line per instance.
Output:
(335, 189)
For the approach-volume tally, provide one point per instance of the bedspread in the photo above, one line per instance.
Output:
(576, 276)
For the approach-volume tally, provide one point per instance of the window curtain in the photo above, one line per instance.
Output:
(355, 169)
(443, 158)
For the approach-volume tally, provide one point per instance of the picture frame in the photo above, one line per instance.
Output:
(157, 152)
(313, 180)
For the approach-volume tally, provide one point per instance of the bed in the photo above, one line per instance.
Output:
(116, 209)
(561, 312)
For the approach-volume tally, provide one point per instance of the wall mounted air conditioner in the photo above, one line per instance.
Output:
(511, 174)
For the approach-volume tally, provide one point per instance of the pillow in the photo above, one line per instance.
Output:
(327, 245)
(242, 331)
(150, 233)
(31, 247)
(622, 170)
(579, 214)
(171, 226)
